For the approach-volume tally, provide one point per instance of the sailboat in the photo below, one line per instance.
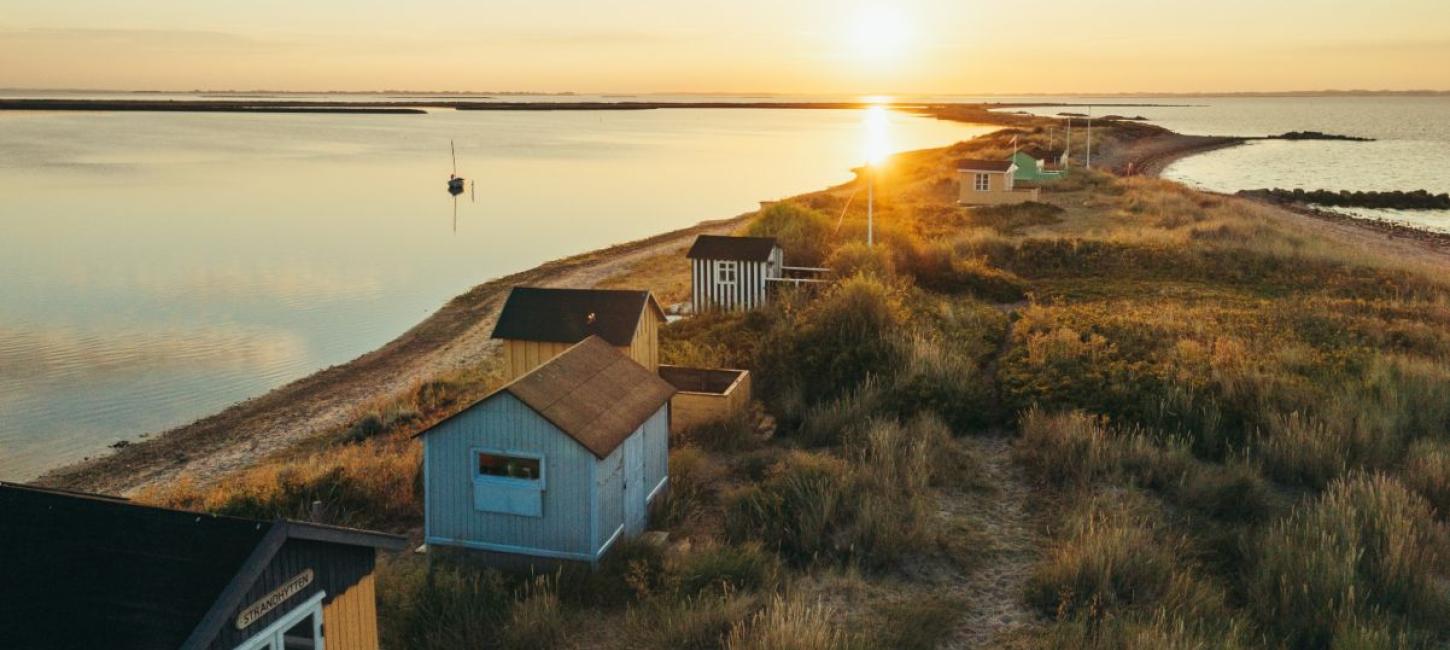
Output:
(455, 182)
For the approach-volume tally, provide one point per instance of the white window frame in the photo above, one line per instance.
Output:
(982, 182)
(723, 266)
(508, 481)
(271, 636)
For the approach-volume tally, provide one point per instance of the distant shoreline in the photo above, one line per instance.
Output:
(420, 106)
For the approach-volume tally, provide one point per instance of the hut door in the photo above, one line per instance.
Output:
(634, 485)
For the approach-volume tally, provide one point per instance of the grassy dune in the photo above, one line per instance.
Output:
(1232, 427)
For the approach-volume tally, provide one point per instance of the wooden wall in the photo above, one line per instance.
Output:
(521, 356)
(748, 291)
(691, 409)
(506, 423)
(352, 618)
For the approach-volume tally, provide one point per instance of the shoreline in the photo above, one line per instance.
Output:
(456, 337)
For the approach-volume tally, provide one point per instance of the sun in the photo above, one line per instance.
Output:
(879, 33)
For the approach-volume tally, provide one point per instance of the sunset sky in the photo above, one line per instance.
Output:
(810, 46)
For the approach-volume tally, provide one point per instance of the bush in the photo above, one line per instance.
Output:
(796, 511)
(945, 382)
(854, 331)
(831, 423)
(689, 493)
(1234, 492)
(1427, 471)
(1368, 550)
(804, 234)
(856, 258)
(446, 609)
(726, 569)
(938, 268)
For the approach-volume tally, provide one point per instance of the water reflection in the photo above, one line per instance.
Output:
(221, 255)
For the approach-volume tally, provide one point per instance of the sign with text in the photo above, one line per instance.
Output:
(269, 602)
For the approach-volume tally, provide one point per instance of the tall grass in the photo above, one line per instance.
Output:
(1368, 550)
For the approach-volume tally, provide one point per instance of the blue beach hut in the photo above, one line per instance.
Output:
(559, 464)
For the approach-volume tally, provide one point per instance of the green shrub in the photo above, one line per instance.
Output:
(1368, 549)
(1110, 560)
(832, 422)
(856, 258)
(734, 434)
(727, 569)
(684, 503)
(1427, 471)
(854, 331)
(796, 511)
(939, 268)
(448, 608)
(1234, 492)
(804, 234)
(944, 382)
(1013, 219)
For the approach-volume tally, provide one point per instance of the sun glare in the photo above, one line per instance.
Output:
(877, 130)
(879, 33)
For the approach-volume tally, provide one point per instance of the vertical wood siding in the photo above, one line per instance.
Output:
(644, 348)
(352, 618)
(506, 423)
(521, 356)
(747, 293)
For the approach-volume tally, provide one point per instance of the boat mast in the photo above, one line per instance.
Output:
(454, 155)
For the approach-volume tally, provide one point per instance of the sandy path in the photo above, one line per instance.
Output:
(1011, 544)
(455, 336)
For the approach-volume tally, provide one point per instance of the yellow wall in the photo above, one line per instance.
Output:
(688, 409)
(351, 619)
(998, 192)
(521, 356)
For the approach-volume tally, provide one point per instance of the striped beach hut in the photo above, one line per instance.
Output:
(730, 273)
(556, 466)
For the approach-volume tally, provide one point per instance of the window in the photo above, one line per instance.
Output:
(508, 482)
(508, 466)
(299, 629)
(725, 272)
(982, 182)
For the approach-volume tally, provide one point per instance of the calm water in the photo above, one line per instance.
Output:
(155, 268)
(1411, 151)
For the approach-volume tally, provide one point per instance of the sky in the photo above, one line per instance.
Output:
(740, 46)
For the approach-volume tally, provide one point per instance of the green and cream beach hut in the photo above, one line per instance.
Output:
(1038, 165)
(990, 182)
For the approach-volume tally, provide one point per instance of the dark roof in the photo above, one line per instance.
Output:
(719, 247)
(564, 315)
(93, 571)
(985, 165)
(591, 392)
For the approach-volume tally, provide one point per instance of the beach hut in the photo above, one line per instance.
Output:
(1037, 165)
(555, 466)
(89, 571)
(990, 182)
(729, 273)
(537, 324)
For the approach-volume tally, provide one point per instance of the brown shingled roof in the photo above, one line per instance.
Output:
(592, 393)
(985, 165)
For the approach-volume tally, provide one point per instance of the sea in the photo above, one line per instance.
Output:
(158, 267)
